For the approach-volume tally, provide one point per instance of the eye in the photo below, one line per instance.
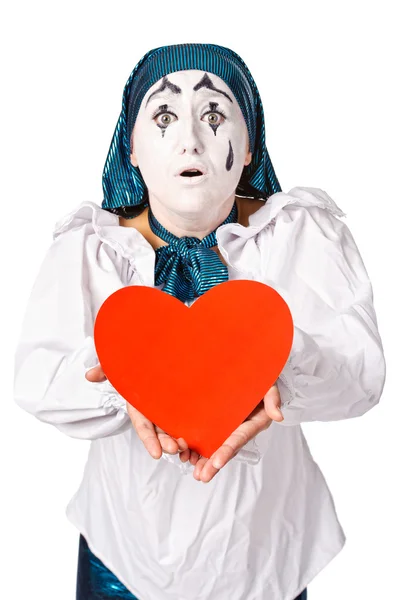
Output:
(214, 117)
(164, 118)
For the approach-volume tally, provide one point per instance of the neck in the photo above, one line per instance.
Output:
(245, 206)
(191, 224)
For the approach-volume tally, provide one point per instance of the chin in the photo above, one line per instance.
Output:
(191, 204)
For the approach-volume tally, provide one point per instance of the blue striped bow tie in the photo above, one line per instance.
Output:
(187, 266)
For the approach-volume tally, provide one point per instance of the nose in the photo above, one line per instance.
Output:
(190, 140)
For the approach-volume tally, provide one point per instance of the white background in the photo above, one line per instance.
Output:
(327, 73)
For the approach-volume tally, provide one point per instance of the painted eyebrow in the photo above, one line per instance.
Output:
(206, 82)
(164, 85)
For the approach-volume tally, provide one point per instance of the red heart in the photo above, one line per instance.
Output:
(195, 372)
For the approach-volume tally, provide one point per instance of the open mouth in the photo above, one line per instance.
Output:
(191, 173)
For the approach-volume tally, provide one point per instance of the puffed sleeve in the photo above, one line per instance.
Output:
(56, 345)
(336, 369)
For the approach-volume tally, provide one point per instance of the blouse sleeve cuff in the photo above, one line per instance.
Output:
(286, 388)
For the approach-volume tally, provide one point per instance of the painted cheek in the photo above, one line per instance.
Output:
(230, 157)
(163, 129)
(214, 127)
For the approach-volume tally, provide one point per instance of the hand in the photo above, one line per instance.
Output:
(260, 419)
(154, 438)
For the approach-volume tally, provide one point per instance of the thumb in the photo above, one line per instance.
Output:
(272, 403)
(96, 374)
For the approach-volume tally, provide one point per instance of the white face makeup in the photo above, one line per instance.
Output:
(190, 121)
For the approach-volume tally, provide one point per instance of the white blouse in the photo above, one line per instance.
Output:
(266, 524)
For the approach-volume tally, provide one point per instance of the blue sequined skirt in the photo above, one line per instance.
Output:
(96, 582)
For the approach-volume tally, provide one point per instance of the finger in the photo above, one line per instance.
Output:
(169, 444)
(194, 458)
(198, 467)
(185, 455)
(96, 374)
(146, 431)
(208, 471)
(182, 444)
(272, 402)
(241, 436)
(227, 451)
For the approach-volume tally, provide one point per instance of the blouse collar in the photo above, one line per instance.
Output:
(236, 242)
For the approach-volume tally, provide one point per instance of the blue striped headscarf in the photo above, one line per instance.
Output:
(123, 184)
